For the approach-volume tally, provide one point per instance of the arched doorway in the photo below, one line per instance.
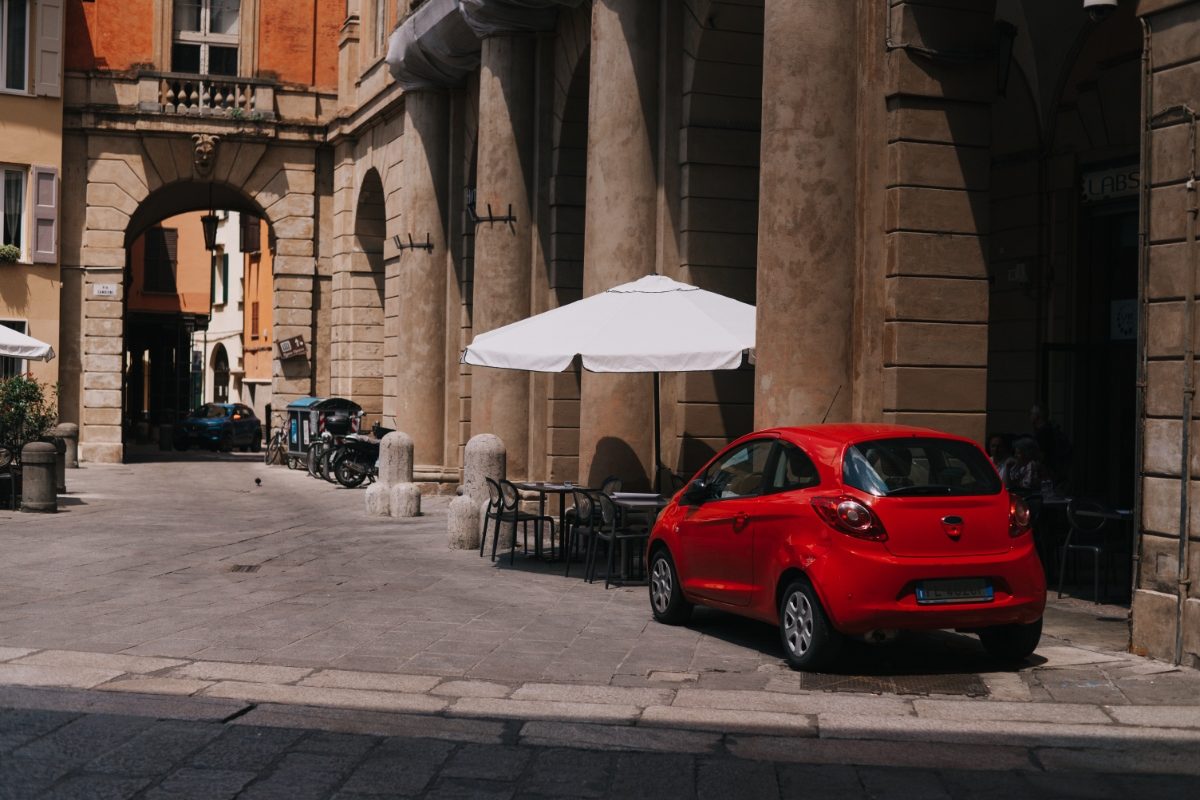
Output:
(357, 348)
(129, 182)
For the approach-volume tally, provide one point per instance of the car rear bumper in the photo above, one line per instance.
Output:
(864, 591)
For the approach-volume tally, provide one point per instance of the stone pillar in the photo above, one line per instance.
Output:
(37, 477)
(806, 217)
(616, 411)
(500, 398)
(394, 493)
(420, 328)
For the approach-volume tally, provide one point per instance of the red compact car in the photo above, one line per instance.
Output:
(831, 531)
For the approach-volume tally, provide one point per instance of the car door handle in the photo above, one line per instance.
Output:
(740, 521)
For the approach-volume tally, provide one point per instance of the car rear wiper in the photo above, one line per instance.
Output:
(922, 489)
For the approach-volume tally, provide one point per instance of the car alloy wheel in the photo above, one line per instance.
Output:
(661, 585)
(798, 624)
(810, 642)
(666, 598)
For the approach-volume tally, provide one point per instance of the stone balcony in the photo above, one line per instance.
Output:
(206, 96)
(173, 98)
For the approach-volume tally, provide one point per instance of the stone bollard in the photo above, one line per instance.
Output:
(394, 493)
(69, 433)
(485, 457)
(37, 477)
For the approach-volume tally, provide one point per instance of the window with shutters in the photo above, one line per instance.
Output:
(14, 45)
(13, 223)
(205, 37)
(43, 238)
(11, 367)
(161, 259)
(254, 320)
(251, 234)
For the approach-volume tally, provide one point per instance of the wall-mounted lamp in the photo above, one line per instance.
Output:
(209, 221)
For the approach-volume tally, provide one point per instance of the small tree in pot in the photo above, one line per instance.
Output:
(26, 413)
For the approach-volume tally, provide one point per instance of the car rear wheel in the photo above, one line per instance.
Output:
(1011, 642)
(666, 598)
(809, 641)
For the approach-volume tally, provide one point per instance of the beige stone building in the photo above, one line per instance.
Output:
(946, 212)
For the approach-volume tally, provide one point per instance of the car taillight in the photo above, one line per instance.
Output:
(847, 515)
(1018, 517)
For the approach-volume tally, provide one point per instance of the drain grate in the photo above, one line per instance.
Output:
(245, 567)
(959, 684)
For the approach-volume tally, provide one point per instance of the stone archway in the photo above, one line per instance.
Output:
(358, 304)
(128, 181)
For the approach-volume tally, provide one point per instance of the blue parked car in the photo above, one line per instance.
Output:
(220, 426)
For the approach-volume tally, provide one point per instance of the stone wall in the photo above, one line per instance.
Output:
(1175, 55)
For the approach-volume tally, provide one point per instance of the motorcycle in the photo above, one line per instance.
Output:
(357, 460)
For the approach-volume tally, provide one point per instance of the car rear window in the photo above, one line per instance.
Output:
(919, 466)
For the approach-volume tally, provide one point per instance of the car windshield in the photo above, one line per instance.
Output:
(919, 466)
(210, 412)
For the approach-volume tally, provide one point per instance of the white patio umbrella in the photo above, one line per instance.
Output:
(18, 345)
(654, 324)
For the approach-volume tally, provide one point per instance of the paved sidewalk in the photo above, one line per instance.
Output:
(126, 606)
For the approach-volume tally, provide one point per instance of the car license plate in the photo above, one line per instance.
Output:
(957, 590)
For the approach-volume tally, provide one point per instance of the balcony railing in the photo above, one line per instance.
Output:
(204, 95)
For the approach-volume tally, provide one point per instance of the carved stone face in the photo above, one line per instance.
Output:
(205, 152)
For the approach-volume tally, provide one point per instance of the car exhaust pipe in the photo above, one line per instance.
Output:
(880, 636)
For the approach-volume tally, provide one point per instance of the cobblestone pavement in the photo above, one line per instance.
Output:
(183, 601)
(57, 744)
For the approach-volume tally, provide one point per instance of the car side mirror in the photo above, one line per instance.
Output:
(697, 492)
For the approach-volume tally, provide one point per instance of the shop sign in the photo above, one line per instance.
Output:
(293, 347)
(1111, 184)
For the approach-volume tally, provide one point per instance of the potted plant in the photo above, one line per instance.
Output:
(9, 254)
(26, 413)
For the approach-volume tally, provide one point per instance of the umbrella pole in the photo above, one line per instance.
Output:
(657, 433)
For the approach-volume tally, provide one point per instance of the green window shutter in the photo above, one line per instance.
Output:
(225, 277)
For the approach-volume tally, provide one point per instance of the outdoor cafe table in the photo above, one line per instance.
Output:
(636, 504)
(543, 490)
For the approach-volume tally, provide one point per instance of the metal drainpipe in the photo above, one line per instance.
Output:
(1139, 432)
(1189, 388)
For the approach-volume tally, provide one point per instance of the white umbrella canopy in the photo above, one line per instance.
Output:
(654, 324)
(18, 345)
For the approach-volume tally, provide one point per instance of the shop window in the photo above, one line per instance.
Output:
(205, 37)
(11, 367)
(13, 223)
(14, 44)
(162, 250)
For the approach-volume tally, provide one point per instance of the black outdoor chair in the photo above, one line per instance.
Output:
(506, 507)
(611, 484)
(615, 533)
(1086, 534)
(581, 521)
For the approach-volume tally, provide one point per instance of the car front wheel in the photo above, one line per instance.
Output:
(666, 598)
(809, 641)
(1011, 642)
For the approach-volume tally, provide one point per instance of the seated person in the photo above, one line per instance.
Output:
(1027, 472)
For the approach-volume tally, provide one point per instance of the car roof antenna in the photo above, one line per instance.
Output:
(831, 402)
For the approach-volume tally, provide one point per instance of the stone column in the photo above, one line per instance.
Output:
(421, 277)
(500, 398)
(616, 411)
(806, 217)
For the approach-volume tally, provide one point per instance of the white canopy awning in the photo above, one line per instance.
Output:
(654, 324)
(18, 345)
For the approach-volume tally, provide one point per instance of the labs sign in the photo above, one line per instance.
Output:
(293, 347)
(1110, 184)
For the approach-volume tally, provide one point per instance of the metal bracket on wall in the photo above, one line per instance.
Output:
(491, 218)
(411, 245)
